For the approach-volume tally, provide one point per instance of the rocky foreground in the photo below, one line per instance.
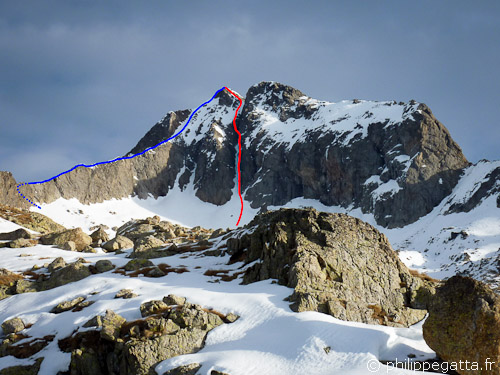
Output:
(328, 263)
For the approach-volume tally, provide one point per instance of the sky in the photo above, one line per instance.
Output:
(82, 81)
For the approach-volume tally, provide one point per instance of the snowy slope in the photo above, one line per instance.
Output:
(267, 339)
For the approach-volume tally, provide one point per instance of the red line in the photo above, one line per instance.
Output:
(239, 152)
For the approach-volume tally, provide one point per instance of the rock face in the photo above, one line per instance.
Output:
(336, 264)
(396, 161)
(464, 324)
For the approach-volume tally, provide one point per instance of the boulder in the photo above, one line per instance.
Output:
(70, 246)
(32, 369)
(145, 246)
(56, 264)
(111, 324)
(136, 264)
(99, 236)
(191, 369)
(118, 243)
(72, 272)
(325, 258)
(15, 235)
(125, 294)
(153, 307)
(81, 239)
(104, 265)
(172, 299)
(13, 325)
(67, 305)
(464, 324)
(22, 242)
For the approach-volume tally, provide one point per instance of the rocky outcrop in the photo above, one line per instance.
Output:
(8, 192)
(136, 347)
(395, 160)
(13, 325)
(31, 220)
(464, 325)
(336, 264)
(118, 243)
(15, 235)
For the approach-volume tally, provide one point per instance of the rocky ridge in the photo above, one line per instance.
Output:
(395, 160)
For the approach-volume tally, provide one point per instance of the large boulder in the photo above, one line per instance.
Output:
(60, 239)
(13, 325)
(464, 325)
(99, 237)
(336, 264)
(118, 243)
(15, 235)
(62, 276)
(146, 247)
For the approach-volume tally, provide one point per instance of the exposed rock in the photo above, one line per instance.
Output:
(72, 272)
(22, 242)
(325, 258)
(464, 324)
(135, 264)
(118, 243)
(155, 272)
(25, 286)
(23, 369)
(56, 264)
(145, 246)
(231, 318)
(31, 220)
(130, 348)
(99, 236)
(125, 294)
(70, 246)
(111, 324)
(15, 235)
(215, 372)
(191, 369)
(81, 239)
(13, 325)
(67, 305)
(153, 307)
(172, 299)
(104, 265)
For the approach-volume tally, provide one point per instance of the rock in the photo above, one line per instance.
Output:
(118, 243)
(135, 264)
(218, 232)
(143, 246)
(81, 239)
(153, 307)
(15, 235)
(67, 305)
(56, 264)
(155, 272)
(125, 294)
(111, 324)
(27, 219)
(99, 236)
(191, 369)
(172, 299)
(13, 325)
(104, 265)
(231, 318)
(72, 272)
(96, 321)
(23, 369)
(22, 242)
(464, 324)
(25, 286)
(325, 258)
(215, 372)
(70, 246)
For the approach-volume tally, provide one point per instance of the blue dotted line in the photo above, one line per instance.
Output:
(117, 159)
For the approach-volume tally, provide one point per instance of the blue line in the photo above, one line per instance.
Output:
(122, 158)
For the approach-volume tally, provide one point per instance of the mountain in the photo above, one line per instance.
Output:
(394, 160)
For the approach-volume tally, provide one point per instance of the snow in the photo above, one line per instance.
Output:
(267, 339)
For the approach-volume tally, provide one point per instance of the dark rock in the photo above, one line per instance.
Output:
(153, 307)
(104, 265)
(125, 294)
(56, 264)
(99, 236)
(67, 305)
(23, 369)
(72, 272)
(191, 369)
(135, 264)
(172, 299)
(22, 242)
(145, 246)
(464, 323)
(15, 235)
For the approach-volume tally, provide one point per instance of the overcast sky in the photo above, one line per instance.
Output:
(82, 81)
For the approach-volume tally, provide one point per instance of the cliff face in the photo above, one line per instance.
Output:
(395, 160)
